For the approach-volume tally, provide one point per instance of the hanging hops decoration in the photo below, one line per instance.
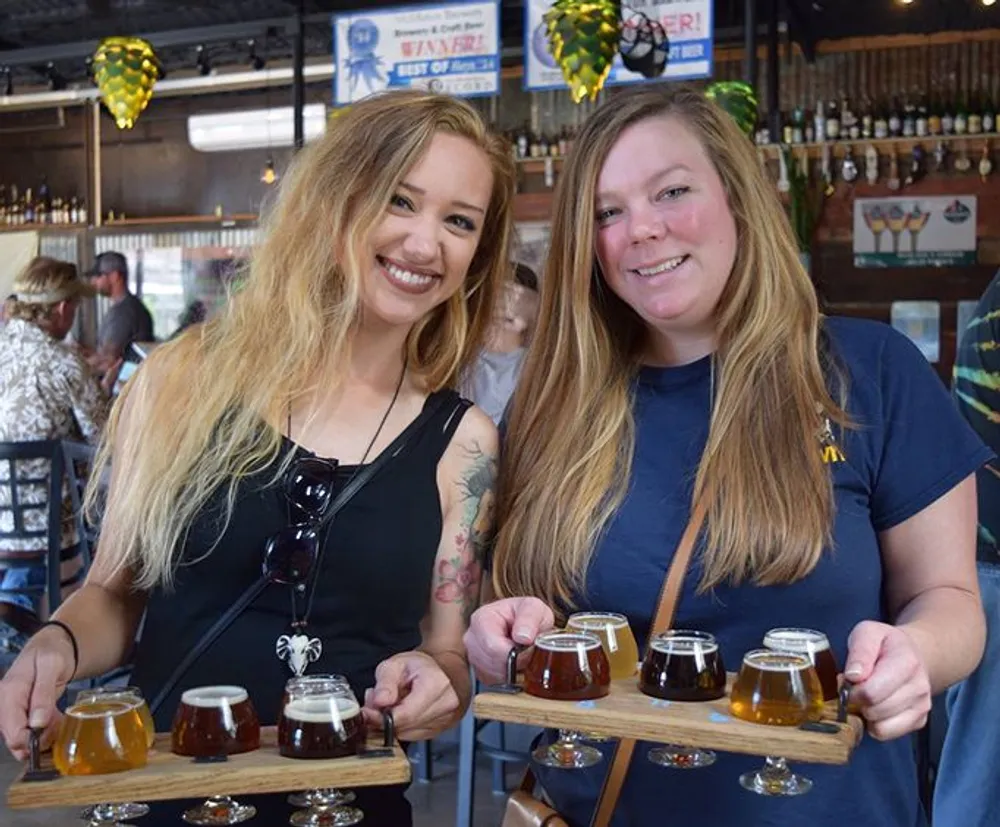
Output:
(583, 39)
(738, 99)
(644, 45)
(125, 70)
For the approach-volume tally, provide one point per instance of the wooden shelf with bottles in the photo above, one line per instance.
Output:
(181, 221)
(45, 227)
(885, 146)
(537, 165)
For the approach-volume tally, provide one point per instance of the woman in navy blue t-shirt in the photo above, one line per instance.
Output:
(681, 354)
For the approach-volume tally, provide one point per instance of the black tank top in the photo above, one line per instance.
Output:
(374, 586)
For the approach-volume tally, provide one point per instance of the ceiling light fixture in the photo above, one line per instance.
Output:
(256, 61)
(253, 128)
(988, 2)
(8, 84)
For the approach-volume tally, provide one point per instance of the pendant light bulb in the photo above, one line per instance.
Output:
(268, 175)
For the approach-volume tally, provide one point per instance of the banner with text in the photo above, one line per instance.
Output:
(688, 24)
(927, 231)
(453, 48)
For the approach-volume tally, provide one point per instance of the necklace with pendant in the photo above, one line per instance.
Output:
(298, 649)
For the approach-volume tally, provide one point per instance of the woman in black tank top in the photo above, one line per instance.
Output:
(328, 372)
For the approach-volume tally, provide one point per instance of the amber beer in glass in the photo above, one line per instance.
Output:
(816, 646)
(776, 688)
(215, 720)
(568, 666)
(616, 638)
(320, 724)
(683, 666)
(100, 737)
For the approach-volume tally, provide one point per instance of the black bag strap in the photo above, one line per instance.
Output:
(253, 591)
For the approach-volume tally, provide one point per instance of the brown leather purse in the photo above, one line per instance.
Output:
(523, 809)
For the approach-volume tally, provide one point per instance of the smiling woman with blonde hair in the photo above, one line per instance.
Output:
(368, 295)
(681, 358)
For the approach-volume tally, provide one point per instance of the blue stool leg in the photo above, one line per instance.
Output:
(424, 754)
(499, 765)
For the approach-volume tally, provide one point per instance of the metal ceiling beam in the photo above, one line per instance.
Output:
(800, 25)
(164, 39)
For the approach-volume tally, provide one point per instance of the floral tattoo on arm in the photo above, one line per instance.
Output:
(458, 575)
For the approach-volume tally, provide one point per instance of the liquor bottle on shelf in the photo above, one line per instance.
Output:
(947, 118)
(895, 119)
(934, 116)
(786, 129)
(543, 145)
(832, 121)
(922, 125)
(962, 116)
(881, 121)
(850, 123)
(909, 118)
(819, 121)
(522, 140)
(867, 119)
(43, 204)
(3, 205)
(976, 114)
(798, 125)
(29, 207)
(989, 109)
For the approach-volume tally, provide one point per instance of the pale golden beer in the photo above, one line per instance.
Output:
(616, 638)
(100, 737)
(816, 646)
(776, 688)
(129, 694)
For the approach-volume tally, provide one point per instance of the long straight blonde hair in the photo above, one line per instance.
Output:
(197, 411)
(570, 435)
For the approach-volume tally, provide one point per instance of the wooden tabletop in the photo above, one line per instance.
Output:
(168, 776)
(627, 713)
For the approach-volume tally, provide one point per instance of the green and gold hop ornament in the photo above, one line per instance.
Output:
(584, 36)
(125, 70)
(738, 99)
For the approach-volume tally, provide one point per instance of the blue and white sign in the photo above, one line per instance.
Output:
(688, 24)
(453, 48)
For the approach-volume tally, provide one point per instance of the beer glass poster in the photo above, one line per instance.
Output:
(687, 24)
(930, 231)
(453, 48)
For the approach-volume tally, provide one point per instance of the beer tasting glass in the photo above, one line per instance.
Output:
(100, 737)
(816, 646)
(212, 722)
(111, 814)
(683, 665)
(567, 666)
(321, 719)
(616, 638)
(777, 689)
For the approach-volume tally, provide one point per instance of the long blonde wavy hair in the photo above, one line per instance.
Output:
(570, 434)
(197, 411)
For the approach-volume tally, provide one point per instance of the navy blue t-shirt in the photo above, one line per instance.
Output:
(912, 446)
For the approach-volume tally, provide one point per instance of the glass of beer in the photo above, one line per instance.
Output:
(683, 665)
(125, 811)
(100, 737)
(567, 666)
(212, 722)
(816, 646)
(776, 688)
(321, 719)
(616, 638)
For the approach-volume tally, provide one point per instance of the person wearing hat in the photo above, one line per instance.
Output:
(46, 392)
(126, 321)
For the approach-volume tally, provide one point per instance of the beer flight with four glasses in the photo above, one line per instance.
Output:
(111, 730)
(786, 682)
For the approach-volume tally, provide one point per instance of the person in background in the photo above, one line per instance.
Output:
(127, 320)
(493, 377)
(369, 293)
(967, 788)
(46, 393)
(680, 358)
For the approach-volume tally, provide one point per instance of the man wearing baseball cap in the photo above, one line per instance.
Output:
(46, 392)
(126, 321)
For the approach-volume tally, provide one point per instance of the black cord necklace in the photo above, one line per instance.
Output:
(301, 649)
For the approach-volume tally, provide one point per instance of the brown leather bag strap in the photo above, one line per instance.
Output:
(669, 595)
